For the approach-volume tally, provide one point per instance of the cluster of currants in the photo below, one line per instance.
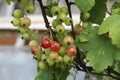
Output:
(51, 53)
(60, 18)
(21, 21)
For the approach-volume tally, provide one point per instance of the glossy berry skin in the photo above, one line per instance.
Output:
(43, 57)
(31, 8)
(25, 36)
(18, 13)
(25, 22)
(64, 10)
(33, 43)
(59, 60)
(55, 22)
(62, 17)
(35, 50)
(67, 59)
(68, 40)
(45, 43)
(60, 28)
(53, 55)
(55, 46)
(68, 21)
(41, 65)
(21, 30)
(16, 22)
(86, 15)
(50, 62)
(55, 10)
(79, 30)
(71, 51)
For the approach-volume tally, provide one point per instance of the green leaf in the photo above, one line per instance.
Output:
(111, 25)
(64, 75)
(36, 78)
(48, 12)
(45, 75)
(48, 2)
(48, 9)
(24, 2)
(117, 66)
(98, 12)
(60, 37)
(100, 52)
(85, 5)
(98, 77)
(116, 5)
(9, 1)
(114, 35)
(111, 21)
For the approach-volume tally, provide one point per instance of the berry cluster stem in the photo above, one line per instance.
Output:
(44, 13)
(70, 14)
(45, 18)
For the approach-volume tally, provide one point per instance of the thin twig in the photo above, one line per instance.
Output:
(45, 18)
(70, 14)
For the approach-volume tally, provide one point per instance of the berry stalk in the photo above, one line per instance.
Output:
(70, 14)
(45, 18)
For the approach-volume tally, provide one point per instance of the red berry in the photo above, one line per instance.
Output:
(71, 51)
(79, 30)
(107, 33)
(45, 43)
(35, 50)
(55, 46)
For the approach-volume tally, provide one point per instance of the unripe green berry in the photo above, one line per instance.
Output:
(68, 21)
(55, 10)
(21, 30)
(18, 13)
(86, 16)
(62, 17)
(30, 8)
(60, 28)
(64, 10)
(55, 22)
(25, 36)
(16, 22)
(33, 43)
(41, 65)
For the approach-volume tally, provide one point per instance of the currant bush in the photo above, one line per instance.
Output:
(91, 45)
